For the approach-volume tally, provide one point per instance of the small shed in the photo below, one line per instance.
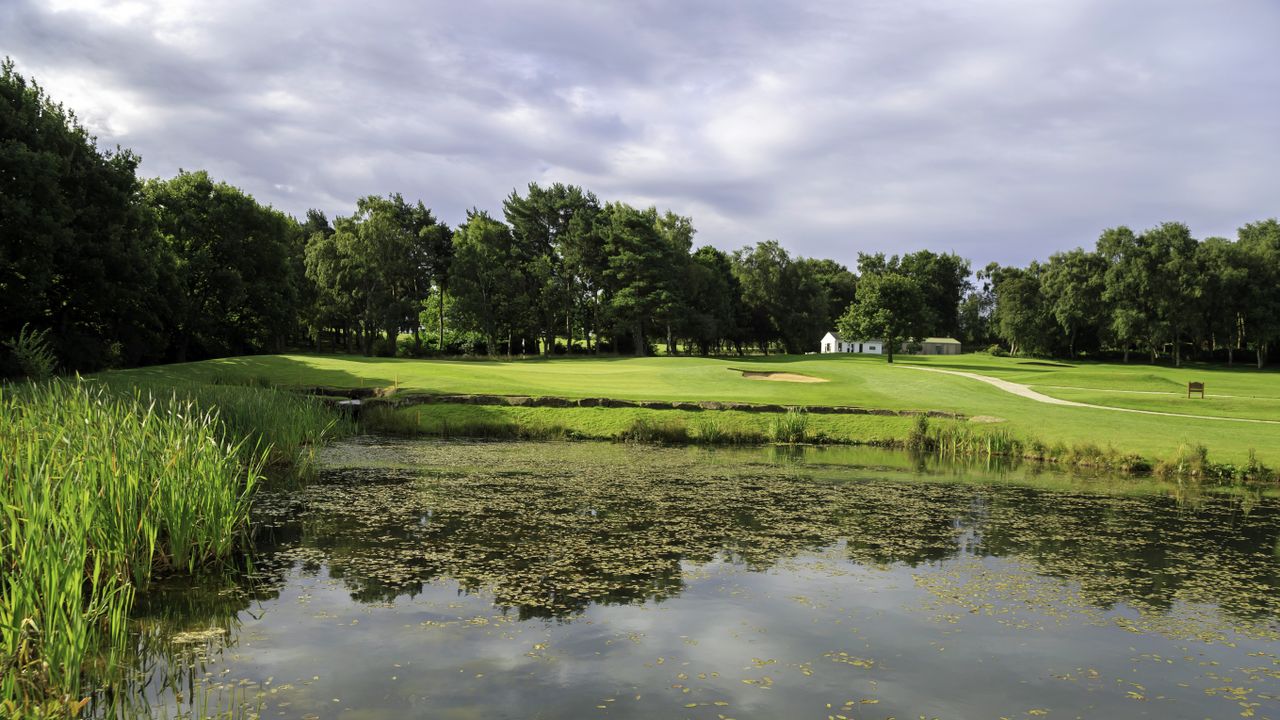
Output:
(940, 346)
(833, 343)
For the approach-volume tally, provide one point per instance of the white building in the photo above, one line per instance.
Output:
(833, 343)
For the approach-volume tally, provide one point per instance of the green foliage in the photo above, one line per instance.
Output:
(89, 516)
(645, 253)
(237, 286)
(485, 293)
(888, 306)
(649, 430)
(1022, 315)
(34, 355)
(790, 427)
(78, 253)
(784, 299)
(942, 279)
(918, 439)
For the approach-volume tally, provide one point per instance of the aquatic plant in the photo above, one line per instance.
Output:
(104, 486)
(97, 493)
(790, 427)
(647, 430)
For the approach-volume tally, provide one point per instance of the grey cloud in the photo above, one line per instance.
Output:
(1001, 129)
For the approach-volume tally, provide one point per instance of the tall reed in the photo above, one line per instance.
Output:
(790, 427)
(100, 490)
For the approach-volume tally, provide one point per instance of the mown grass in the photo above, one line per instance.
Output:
(104, 485)
(864, 381)
(944, 438)
(710, 427)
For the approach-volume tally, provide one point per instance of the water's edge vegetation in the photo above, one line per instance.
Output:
(949, 438)
(105, 487)
(107, 484)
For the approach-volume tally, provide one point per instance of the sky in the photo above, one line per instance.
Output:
(1003, 130)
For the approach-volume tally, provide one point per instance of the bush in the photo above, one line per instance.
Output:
(34, 356)
(997, 351)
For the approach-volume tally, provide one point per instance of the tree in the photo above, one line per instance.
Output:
(485, 291)
(714, 300)
(1125, 287)
(784, 298)
(555, 230)
(234, 266)
(639, 269)
(78, 252)
(1222, 294)
(943, 280)
(1022, 315)
(839, 284)
(1260, 242)
(889, 306)
(677, 234)
(1073, 283)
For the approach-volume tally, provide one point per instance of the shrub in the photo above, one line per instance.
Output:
(997, 351)
(34, 355)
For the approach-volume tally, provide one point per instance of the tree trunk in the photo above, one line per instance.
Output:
(1262, 355)
(637, 336)
(1230, 356)
(1126, 353)
(671, 347)
(440, 317)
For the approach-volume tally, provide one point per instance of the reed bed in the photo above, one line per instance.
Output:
(101, 488)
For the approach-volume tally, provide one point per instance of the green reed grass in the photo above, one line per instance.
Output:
(790, 427)
(101, 487)
(658, 431)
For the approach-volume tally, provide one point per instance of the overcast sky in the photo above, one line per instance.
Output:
(1001, 129)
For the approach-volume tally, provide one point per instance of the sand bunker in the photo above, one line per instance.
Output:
(780, 377)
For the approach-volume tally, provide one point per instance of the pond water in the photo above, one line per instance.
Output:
(582, 580)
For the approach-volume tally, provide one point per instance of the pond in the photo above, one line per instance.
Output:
(584, 580)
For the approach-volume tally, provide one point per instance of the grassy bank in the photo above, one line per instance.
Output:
(950, 439)
(724, 427)
(865, 381)
(105, 485)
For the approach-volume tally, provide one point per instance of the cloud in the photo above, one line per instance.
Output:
(1001, 129)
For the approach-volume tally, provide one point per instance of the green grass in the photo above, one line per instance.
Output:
(865, 381)
(105, 484)
(725, 427)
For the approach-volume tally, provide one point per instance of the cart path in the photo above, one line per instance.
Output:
(1026, 392)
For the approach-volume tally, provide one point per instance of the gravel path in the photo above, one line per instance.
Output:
(1026, 392)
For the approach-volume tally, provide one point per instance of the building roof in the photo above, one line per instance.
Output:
(941, 341)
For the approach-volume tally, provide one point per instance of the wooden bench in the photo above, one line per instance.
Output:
(1195, 387)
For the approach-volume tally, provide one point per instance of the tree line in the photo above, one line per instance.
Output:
(1160, 292)
(123, 271)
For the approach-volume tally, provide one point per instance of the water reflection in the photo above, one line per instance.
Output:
(563, 577)
(550, 529)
